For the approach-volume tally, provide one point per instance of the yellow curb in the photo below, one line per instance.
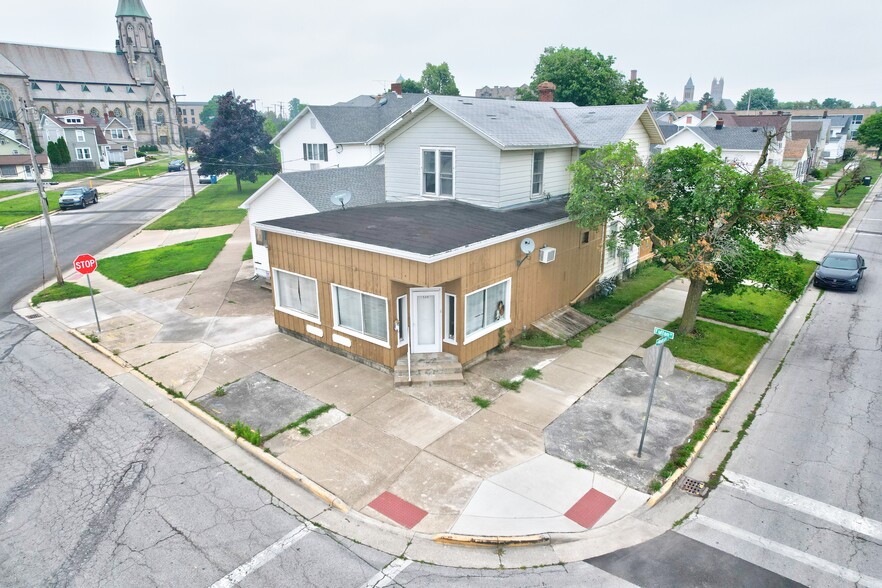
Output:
(267, 458)
(484, 540)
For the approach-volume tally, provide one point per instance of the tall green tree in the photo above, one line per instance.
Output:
(662, 102)
(836, 103)
(52, 153)
(438, 80)
(583, 77)
(702, 215)
(758, 99)
(63, 151)
(294, 107)
(238, 143)
(869, 134)
(410, 86)
(706, 100)
(209, 111)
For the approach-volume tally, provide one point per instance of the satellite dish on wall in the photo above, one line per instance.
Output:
(341, 198)
(527, 247)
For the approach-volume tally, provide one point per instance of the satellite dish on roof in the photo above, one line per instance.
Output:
(527, 246)
(341, 198)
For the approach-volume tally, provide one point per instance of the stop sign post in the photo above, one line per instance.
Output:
(86, 264)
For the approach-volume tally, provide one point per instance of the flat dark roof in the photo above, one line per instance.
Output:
(425, 228)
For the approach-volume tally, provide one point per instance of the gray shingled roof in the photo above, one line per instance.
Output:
(357, 124)
(510, 123)
(596, 126)
(740, 138)
(668, 130)
(425, 228)
(367, 185)
(56, 64)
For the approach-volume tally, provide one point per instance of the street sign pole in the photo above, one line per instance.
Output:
(97, 322)
(665, 337)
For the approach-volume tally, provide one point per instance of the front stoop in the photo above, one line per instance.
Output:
(427, 369)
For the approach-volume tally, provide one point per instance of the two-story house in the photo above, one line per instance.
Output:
(15, 161)
(472, 242)
(740, 146)
(121, 144)
(84, 137)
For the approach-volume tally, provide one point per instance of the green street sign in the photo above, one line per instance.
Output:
(662, 333)
(661, 340)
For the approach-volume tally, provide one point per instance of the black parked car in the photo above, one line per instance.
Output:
(176, 165)
(79, 197)
(840, 270)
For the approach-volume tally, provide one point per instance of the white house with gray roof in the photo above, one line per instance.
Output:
(741, 146)
(297, 193)
(336, 136)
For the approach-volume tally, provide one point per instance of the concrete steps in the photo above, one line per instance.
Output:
(427, 369)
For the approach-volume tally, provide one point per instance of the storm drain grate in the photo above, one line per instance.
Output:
(694, 487)
(31, 317)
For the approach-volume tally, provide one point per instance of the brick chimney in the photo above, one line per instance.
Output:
(396, 87)
(81, 111)
(633, 75)
(703, 111)
(546, 92)
(719, 124)
(106, 118)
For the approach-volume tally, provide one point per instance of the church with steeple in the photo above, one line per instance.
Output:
(130, 83)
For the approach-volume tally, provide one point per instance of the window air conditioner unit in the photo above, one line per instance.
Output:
(547, 254)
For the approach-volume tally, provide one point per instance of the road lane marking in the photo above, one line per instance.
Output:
(823, 565)
(262, 558)
(385, 576)
(809, 506)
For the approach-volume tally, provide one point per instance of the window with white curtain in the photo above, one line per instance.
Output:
(538, 172)
(437, 167)
(296, 294)
(361, 314)
(486, 310)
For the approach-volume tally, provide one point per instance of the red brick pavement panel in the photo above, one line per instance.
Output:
(590, 508)
(398, 509)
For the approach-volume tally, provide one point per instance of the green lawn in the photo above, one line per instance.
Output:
(140, 267)
(66, 292)
(74, 176)
(748, 307)
(215, 206)
(853, 197)
(537, 338)
(647, 278)
(834, 221)
(144, 170)
(8, 193)
(249, 254)
(716, 346)
(25, 207)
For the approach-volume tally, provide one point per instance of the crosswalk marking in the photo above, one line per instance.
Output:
(810, 506)
(385, 576)
(823, 565)
(262, 558)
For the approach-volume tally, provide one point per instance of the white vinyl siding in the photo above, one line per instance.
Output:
(296, 295)
(476, 160)
(517, 174)
(639, 135)
(487, 309)
(361, 314)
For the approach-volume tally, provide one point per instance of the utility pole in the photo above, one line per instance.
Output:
(43, 202)
(185, 144)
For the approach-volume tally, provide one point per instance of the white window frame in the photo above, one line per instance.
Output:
(448, 300)
(293, 311)
(85, 152)
(537, 193)
(401, 316)
(492, 327)
(117, 134)
(125, 148)
(81, 136)
(352, 332)
(315, 152)
(437, 192)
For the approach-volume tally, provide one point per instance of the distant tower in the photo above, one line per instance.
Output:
(689, 91)
(138, 43)
(717, 90)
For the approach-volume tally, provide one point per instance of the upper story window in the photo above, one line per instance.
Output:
(437, 172)
(117, 134)
(538, 171)
(7, 104)
(149, 70)
(139, 120)
(81, 137)
(315, 151)
(857, 119)
(313, 123)
(94, 113)
(160, 116)
(117, 112)
(68, 110)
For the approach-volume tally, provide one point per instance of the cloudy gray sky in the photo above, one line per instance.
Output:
(328, 51)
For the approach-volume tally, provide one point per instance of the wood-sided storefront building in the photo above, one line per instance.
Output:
(376, 281)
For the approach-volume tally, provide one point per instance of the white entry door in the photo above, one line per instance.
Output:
(425, 320)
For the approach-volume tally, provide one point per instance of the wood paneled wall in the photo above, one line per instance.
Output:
(537, 288)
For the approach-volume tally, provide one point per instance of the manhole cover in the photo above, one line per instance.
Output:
(693, 487)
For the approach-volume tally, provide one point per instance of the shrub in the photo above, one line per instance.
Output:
(149, 148)
(818, 173)
(63, 151)
(140, 153)
(849, 153)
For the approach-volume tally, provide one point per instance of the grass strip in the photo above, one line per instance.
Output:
(716, 346)
(141, 267)
(537, 338)
(249, 254)
(66, 291)
(644, 280)
(215, 206)
(750, 307)
(25, 207)
(834, 221)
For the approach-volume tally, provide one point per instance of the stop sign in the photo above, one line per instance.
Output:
(85, 264)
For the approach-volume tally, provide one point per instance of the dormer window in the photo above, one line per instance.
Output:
(108, 89)
(35, 86)
(437, 172)
(74, 120)
(85, 88)
(59, 87)
(129, 90)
